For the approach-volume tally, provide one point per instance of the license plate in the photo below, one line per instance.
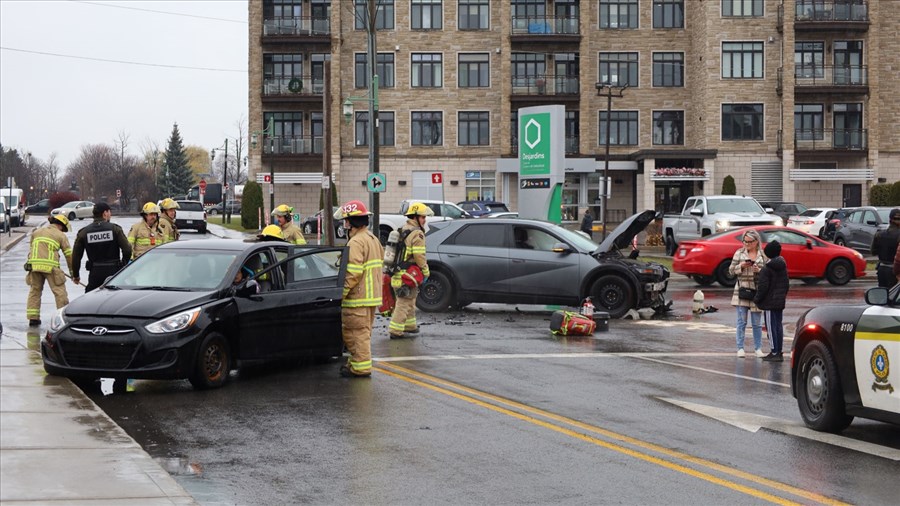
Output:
(682, 253)
(189, 222)
(655, 287)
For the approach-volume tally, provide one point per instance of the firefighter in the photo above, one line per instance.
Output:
(362, 288)
(282, 218)
(43, 265)
(271, 233)
(167, 230)
(411, 273)
(102, 241)
(145, 234)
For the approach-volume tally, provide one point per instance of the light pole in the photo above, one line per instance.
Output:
(226, 209)
(254, 141)
(610, 92)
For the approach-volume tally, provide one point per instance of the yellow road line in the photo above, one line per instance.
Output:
(409, 375)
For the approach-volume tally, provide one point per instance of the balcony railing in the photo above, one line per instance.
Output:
(545, 84)
(831, 10)
(294, 145)
(571, 145)
(303, 25)
(829, 139)
(291, 86)
(828, 75)
(544, 25)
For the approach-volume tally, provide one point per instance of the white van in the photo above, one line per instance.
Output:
(14, 199)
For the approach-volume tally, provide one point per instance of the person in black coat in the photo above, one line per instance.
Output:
(771, 295)
(587, 223)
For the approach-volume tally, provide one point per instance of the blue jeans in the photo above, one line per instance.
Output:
(742, 325)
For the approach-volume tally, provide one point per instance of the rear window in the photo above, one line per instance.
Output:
(190, 206)
(812, 212)
(497, 208)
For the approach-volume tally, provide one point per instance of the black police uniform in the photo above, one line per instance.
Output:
(102, 241)
(885, 246)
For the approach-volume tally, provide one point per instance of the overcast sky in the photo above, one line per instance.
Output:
(191, 69)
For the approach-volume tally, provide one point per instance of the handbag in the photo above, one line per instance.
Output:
(745, 293)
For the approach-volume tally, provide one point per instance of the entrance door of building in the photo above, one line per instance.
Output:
(852, 195)
(670, 196)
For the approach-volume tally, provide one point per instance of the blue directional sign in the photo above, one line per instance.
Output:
(376, 182)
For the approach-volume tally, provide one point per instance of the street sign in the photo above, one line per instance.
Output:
(202, 186)
(436, 178)
(118, 193)
(326, 182)
(267, 178)
(203, 190)
(376, 182)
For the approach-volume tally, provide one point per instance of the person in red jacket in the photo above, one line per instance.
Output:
(771, 295)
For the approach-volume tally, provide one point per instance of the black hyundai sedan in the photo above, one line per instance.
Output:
(198, 309)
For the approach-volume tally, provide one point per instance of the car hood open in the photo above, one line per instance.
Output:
(622, 236)
(133, 303)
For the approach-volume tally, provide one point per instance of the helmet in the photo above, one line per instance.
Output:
(273, 231)
(150, 208)
(61, 219)
(283, 210)
(419, 209)
(168, 204)
(352, 208)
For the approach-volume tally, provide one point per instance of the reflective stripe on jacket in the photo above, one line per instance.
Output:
(414, 253)
(293, 235)
(362, 285)
(45, 244)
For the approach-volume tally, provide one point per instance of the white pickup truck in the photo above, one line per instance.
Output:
(442, 211)
(706, 215)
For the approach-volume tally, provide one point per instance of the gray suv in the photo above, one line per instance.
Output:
(858, 229)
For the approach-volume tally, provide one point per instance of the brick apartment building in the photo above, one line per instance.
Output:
(795, 99)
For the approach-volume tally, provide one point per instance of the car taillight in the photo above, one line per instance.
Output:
(204, 215)
(808, 222)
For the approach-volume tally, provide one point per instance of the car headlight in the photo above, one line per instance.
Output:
(779, 222)
(59, 320)
(175, 322)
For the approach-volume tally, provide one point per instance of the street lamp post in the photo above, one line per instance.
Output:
(254, 141)
(226, 209)
(610, 92)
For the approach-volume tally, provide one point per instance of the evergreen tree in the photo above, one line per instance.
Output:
(176, 176)
(251, 205)
(728, 186)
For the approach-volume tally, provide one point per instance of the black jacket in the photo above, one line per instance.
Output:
(772, 286)
(884, 244)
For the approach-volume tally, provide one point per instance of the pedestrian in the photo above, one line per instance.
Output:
(283, 218)
(587, 223)
(771, 295)
(897, 263)
(106, 246)
(746, 263)
(145, 235)
(884, 244)
(43, 265)
(411, 273)
(167, 229)
(362, 288)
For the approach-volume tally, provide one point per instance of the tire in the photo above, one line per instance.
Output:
(840, 241)
(724, 277)
(703, 280)
(705, 232)
(307, 229)
(819, 393)
(71, 216)
(613, 294)
(437, 294)
(212, 364)
(671, 245)
(213, 212)
(811, 281)
(839, 272)
(203, 229)
(383, 233)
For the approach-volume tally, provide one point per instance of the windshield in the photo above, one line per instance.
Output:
(70, 204)
(885, 215)
(176, 269)
(735, 205)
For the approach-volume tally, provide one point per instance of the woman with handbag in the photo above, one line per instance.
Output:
(746, 264)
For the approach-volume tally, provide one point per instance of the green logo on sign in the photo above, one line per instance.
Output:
(534, 144)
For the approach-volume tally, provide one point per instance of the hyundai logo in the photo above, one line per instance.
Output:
(99, 331)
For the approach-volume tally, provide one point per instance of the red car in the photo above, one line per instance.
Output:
(808, 258)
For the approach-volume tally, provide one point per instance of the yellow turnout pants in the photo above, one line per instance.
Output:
(356, 328)
(57, 281)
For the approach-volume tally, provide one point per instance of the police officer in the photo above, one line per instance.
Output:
(43, 265)
(103, 241)
(362, 288)
(292, 234)
(406, 287)
(884, 244)
(145, 235)
(167, 228)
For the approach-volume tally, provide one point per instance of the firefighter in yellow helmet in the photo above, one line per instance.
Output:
(282, 215)
(145, 234)
(362, 288)
(43, 265)
(167, 229)
(271, 233)
(412, 271)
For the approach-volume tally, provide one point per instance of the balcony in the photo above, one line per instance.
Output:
(293, 145)
(829, 141)
(293, 89)
(828, 15)
(571, 145)
(544, 29)
(845, 79)
(550, 86)
(303, 29)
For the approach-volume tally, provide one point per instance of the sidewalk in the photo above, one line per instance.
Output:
(57, 446)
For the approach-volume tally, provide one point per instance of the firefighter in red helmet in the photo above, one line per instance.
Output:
(411, 273)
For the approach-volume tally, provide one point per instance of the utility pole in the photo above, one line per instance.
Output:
(327, 216)
(610, 93)
(373, 112)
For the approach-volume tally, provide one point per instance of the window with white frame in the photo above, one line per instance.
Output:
(668, 69)
(742, 8)
(481, 185)
(619, 69)
(425, 14)
(474, 70)
(742, 122)
(619, 13)
(668, 13)
(427, 128)
(384, 68)
(427, 70)
(385, 128)
(474, 128)
(623, 128)
(384, 14)
(668, 127)
(474, 14)
(742, 60)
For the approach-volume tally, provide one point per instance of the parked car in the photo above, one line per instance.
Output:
(834, 222)
(4, 220)
(510, 214)
(176, 313)
(80, 209)
(479, 208)
(839, 362)
(784, 209)
(858, 229)
(519, 261)
(812, 221)
(310, 225)
(233, 206)
(40, 208)
(808, 258)
(190, 215)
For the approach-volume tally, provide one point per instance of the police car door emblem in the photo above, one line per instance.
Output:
(880, 368)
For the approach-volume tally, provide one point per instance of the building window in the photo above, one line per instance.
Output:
(623, 128)
(427, 70)
(668, 69)
(668, 127)
(742, 8)
(474, 129)
(618, 13)
(524, 9)
(668, 13)
(385, 128)
(572, 128)
(619, 69)
(527, 68)
(427, 128)
(425, 15)
(384, 67)
(481, 185)
(283, 9)
(288, 127)
(474, 14)
(742, 60)
(809, 59)
(809, 122)
(474, 70)
(742, 122)
(384, 14)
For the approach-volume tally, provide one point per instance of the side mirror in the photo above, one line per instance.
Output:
(561, 247)
(246, 289)
(696, 212)
(877, 296)
(809, 244)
